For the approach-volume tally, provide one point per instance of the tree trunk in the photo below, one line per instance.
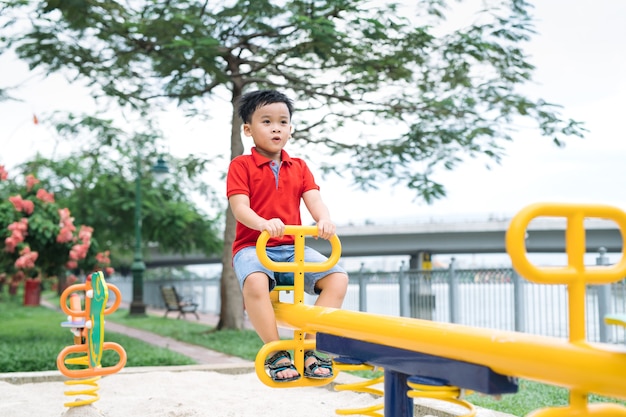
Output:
(60, 284)
(231, 308)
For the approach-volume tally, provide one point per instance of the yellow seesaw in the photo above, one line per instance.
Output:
(575, 364)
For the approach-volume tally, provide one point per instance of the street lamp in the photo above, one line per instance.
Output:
(137, 306)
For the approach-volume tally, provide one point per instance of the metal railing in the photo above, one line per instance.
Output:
(488, 298)
(496, 298)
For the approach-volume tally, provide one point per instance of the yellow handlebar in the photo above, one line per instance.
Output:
(576, 271)
(299, 263)
(576, 275)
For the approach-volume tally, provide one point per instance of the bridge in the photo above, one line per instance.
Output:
(544, 235)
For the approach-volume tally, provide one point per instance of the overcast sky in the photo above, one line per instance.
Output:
(580, 56)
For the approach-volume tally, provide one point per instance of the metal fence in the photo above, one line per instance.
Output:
(489, 298)
(496, 298)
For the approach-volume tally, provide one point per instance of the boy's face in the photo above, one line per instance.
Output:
(270, 128)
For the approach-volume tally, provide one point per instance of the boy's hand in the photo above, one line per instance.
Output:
(325, 229)
(275, 227)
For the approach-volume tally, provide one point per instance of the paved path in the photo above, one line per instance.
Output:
(200, 354)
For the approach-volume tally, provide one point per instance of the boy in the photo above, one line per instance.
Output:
(264, 190)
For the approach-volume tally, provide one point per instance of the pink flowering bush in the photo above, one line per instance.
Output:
(39, 240)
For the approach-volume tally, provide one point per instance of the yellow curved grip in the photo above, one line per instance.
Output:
(371, 411)
(366, 387)
(445, 393)
(575, 271)
(299, 232)
(298, 347)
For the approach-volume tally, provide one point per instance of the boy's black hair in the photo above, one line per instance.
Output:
(250, 102)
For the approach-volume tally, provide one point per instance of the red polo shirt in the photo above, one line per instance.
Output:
(252, 175)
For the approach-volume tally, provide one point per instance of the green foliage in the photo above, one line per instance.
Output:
(32, 337)
(98, 181)
(430, 95)
(449, 93)
(41, 226)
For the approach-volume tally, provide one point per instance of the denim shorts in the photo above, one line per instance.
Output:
(245, 262)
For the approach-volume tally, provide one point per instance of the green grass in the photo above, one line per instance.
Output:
(242, 343)
(531, 396)
(31, 338)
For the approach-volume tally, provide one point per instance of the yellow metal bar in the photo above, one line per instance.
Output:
(575, 274)
(593, 368)
(289, 267)
(575, 364)
(298, 344)
(574, 271)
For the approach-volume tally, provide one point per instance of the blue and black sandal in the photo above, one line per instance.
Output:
(278, 362)
(320, 363)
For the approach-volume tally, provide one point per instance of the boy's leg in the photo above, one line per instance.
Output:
(255, 284)
(259, 307)
(261, 314)
(332, 289)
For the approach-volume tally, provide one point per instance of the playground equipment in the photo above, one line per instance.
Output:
(367, 386)
(87, 326)
(394, 361)
(439, 390)
(298, 344)
(481, 360)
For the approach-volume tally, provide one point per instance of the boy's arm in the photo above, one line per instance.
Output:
(313, 201)
(240, 206)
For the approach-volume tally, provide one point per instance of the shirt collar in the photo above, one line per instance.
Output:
(260, 159)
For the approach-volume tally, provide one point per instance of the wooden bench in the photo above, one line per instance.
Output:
(173, 302)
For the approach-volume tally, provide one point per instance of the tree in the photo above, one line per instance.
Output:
(97, 179)
(40, 239)
(443, 95)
